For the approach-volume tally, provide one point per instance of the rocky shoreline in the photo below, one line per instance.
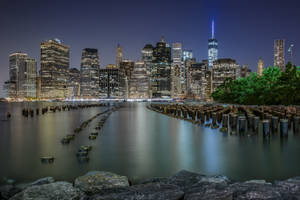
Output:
(184, 185)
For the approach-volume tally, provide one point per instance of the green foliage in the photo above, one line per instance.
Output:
(272, 88)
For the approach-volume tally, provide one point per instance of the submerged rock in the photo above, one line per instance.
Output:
(155, 191)
(57, 190)
(96, 181)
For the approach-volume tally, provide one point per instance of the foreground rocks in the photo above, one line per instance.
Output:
(184, 185)
(95, 182)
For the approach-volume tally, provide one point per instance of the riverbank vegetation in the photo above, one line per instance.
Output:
(274, 87)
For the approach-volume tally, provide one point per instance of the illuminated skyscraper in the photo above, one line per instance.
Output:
(22, 73)
(161, 70)
(212, 47)
(54, 69)
(139, 82)
(89, 73)
(178, 71)
(119, 55)
(260, 67)
(187, 54)
(279, 54)
(74, 82)
(147, 57)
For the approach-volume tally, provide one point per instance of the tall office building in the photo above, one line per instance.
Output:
(279, 54)
(260, 67)
(119, 55)
(112, 83)
(16, 61)
(54, 69)
(147, 56)
(127, 66)
(187, 54)
(89, 73)
(139, 83)
(223, 69)
(178, 71)
(74, 82)
(198, 81)
(212, 47)
(22, 76)
(161, 70)
(27, 79)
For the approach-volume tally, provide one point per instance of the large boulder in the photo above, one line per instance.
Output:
(150, 191)
(290, 188)
(57, 190)
(41, 181)
(209, 188)
(257, 191)
(96, 181)
(183, 179)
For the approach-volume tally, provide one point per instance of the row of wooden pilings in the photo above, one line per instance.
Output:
(237, 119)
(26, 112)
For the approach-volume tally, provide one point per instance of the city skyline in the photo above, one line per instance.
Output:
(235, 36)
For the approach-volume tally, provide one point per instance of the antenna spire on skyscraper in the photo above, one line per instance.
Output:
(213, 29)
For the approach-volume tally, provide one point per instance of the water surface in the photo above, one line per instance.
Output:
(138, 143)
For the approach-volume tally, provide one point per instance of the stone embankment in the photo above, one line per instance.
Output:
(184, 185)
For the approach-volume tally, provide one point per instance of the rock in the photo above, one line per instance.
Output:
(215, 179)
(257, 182)
(41, 181)
(209, 189)
(57, 190)
(245, 191)
(8, 191)
(155, 191)
(94, 182)
(183, 179)
(290, 188)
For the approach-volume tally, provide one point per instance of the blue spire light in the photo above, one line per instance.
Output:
(213, 29)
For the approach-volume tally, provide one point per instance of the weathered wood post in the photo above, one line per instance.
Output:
(284, 127)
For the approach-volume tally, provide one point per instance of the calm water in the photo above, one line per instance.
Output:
(138, 143)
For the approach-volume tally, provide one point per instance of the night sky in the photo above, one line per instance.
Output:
(245, 29)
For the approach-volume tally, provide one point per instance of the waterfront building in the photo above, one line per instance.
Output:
(188, 64)
(22, 76)
(279, 47)
(112, 83)
(9, 89)
(74, 82)
(119, 55)
(212, 47)
(139, 82)
(198, 81)
(127, 66)
(54, 69)
(260, 67)
(38, 87)
(89, 73)
(147, 57)
(224, 69)
(178, 71)
(27, 79)
(161, 70)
